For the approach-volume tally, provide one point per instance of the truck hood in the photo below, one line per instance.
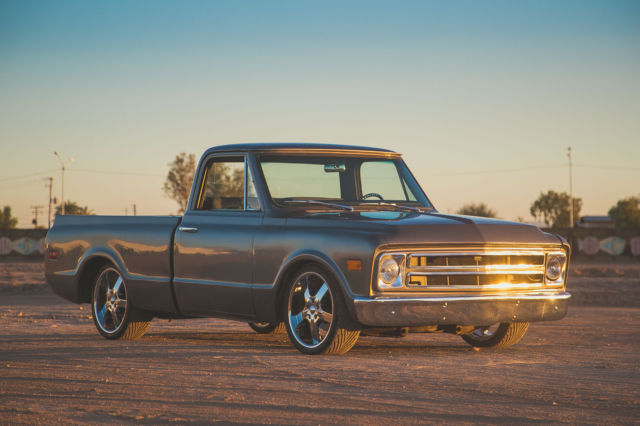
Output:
(434, 228)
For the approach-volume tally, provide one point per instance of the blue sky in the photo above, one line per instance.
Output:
(483, 98)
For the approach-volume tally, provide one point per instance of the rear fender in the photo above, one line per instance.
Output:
(88, 266)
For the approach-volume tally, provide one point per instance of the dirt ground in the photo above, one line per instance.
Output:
(55, 368)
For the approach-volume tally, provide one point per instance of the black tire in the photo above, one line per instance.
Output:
(113, 314)
(315, 315)
(268, 327)
(504, 335)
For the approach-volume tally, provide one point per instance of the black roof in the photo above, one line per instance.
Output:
(300, 147)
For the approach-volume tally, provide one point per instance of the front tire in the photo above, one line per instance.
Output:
(315, 315)
(500, 335)
(113, 314)
(267, 327)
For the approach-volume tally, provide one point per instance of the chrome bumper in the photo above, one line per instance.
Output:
(460, 310)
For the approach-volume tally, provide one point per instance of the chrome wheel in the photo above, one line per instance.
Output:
(310, 310)
(484, 333)
(267, 327)
(500, 335)
(110, 305)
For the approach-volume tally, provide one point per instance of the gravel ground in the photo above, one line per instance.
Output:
(55, 368)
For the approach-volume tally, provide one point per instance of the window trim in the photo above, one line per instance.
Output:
(247, 172)
(244, 175)
(204, 172)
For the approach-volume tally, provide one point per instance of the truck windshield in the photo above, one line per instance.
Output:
(344, 180)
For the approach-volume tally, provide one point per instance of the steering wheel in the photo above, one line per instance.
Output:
(372, 194)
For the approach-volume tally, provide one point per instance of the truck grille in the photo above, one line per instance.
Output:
(480, 270)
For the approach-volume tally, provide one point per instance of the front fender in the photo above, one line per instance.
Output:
(294, 260)
(268, 300)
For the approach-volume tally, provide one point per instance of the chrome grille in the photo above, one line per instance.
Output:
(482, 270)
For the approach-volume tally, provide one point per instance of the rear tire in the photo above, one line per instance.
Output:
(315, 316)
(500, 335)
(113, 314)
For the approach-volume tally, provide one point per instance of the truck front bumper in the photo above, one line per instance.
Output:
(460, 310)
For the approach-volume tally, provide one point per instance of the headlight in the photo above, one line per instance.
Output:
(390, 268)
(555, 266)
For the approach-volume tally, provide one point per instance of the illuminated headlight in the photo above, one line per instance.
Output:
(390, 268)
(555, 266)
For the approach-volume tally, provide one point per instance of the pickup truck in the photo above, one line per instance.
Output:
(323, 241)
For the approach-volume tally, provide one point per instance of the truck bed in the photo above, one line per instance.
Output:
(140, 246)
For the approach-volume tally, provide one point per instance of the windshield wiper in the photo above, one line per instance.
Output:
(398, 206)
(320, 203)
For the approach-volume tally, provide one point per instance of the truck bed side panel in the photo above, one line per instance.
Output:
(140, 246)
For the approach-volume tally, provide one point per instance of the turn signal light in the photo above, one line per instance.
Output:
(354, 265)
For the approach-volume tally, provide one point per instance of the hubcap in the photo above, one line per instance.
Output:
(110, 301)
(310, 309)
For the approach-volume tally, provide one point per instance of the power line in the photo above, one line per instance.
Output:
(112, 172)
(50, 213)
(523, 169)
(106, 172)
(625, 169)
(26, 176)
(21, 184)
(470, 172)
(36, 212)
(478, 172)
(570, 187)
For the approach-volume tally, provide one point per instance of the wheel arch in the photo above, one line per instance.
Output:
(89, 266)
(296, 262)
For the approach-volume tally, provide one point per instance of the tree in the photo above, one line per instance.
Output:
(71, 207)
(553, 208)
(626, 214)
(179, 178)
(6, 220)
(480, 209)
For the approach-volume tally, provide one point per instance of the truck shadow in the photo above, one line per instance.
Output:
(366, 345)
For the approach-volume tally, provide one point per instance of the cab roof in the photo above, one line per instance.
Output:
(302, 148)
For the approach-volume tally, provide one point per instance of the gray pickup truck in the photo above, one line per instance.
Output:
(323, 241)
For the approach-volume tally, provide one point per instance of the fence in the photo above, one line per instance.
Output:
(593, 243)
(605, 243)
(22, 243)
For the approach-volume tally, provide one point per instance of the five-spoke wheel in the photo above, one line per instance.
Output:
(315, 316)
(113, 314)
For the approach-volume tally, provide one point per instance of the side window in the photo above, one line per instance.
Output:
(223, 185)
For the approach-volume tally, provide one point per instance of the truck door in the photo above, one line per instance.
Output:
(214, 242)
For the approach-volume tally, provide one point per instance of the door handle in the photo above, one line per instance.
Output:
(187, 229)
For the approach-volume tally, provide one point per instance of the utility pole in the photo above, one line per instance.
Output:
(62, 163)
(570, 189)
(36, 210)
(135, 210)
(50, 217)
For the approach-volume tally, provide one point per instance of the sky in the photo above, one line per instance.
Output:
(481, 98)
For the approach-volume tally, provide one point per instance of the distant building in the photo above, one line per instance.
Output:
(595, 222)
